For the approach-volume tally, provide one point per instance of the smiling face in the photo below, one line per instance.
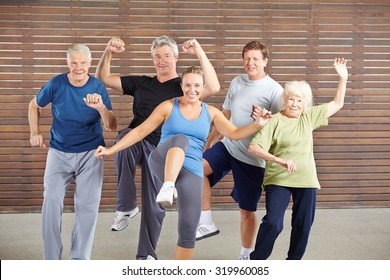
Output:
(254, 64)
(297, 97)
(164, 60)
(294, 105)
(78, 64)
(192, 85)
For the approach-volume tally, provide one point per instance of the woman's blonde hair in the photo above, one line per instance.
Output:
(298, 88)
(193, 70)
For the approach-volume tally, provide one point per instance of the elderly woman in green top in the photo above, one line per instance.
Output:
(286, 143)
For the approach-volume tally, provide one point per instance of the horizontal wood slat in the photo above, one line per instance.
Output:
(352, 153)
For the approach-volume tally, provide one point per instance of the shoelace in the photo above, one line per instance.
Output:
(119, 217)
(169, 188)
(166, 188)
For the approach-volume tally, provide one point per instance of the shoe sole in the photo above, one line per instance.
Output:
(115, 229)
(130, 217)
(208, 235)
(165, 203)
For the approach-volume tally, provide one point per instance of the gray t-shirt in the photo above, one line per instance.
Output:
(242, 94)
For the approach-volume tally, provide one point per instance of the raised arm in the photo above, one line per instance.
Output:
(36, 139)
(158, 116)
(103, 72)
(227, 129)
(211, 79)
(340, 64)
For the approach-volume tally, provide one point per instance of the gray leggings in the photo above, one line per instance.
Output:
(189, 189)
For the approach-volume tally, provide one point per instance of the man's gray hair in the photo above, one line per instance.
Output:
(165, 41)
(79, 48)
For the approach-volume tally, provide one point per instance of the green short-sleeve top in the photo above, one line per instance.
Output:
(290, 138)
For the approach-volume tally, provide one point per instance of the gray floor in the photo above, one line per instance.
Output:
(337, 234)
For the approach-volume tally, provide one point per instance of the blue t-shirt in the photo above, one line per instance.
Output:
(76, 127)
(197, 132)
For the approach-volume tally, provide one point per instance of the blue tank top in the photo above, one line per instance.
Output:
(197, 132)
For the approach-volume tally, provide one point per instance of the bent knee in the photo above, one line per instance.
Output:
(247, 215)
(180, 141)
(274, 222)
(207, 170)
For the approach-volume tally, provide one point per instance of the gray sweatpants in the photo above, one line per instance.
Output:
(87, 172)
(189, 189)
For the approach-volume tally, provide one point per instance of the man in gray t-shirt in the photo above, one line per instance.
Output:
(255, 88)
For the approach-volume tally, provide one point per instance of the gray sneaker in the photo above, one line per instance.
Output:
(121, 219)
(203, 231)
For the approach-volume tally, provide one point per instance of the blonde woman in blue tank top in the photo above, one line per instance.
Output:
(176, 163)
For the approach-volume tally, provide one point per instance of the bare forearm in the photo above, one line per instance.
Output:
(211, 79)
(103, 68)
(108, 118)
(337, 103)
(245, 131)
(227, 129)
(340, 94)
(33, 118)
(259, 152)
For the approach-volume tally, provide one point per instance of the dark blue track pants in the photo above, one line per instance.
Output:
(303, 211)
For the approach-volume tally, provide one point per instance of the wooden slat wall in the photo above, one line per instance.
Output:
(353, 152)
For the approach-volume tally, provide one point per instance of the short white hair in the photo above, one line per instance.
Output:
(299, 88)
(78, 48)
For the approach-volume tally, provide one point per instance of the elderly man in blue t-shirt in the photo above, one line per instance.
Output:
(79, 103)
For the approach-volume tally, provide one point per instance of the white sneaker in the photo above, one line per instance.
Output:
(121, 219)
(150, 258)
(244, 258)
(166, 195)
(204, 231)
